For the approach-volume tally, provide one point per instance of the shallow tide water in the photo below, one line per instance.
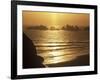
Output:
(57, 46)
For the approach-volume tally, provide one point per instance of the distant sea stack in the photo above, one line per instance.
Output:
(38, 27)
(65, 27)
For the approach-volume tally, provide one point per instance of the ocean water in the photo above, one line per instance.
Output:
(57, 46)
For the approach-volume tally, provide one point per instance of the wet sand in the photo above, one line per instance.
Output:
(80, 61)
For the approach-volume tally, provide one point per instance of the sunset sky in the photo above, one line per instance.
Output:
(31, 18)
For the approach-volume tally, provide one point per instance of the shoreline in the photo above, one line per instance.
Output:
(80, 61)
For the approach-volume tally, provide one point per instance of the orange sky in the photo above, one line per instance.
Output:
(54, 19)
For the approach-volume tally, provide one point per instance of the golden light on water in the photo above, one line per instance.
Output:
(58, 50)
(56, 53)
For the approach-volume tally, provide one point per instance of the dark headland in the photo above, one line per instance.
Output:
(30, 57)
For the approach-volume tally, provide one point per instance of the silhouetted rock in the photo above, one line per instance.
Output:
(30, 57)
(38, 27)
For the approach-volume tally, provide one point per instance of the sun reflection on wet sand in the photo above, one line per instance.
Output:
(58, 59)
